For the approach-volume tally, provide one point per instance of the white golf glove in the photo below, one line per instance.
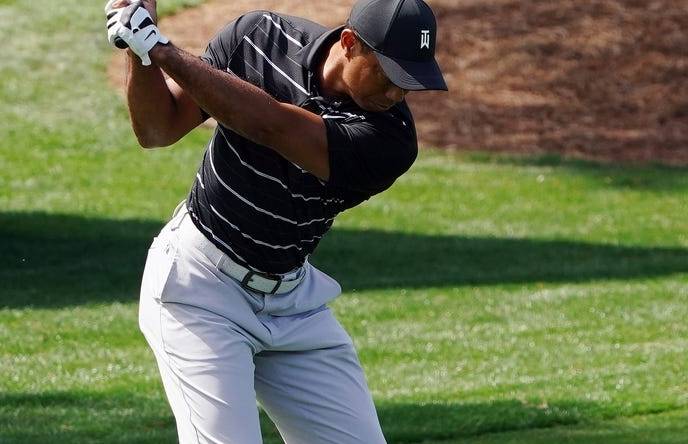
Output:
(133, 27)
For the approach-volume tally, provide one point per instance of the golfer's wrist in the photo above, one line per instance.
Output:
(160, 52)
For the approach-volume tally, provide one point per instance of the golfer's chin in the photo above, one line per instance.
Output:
(376, 107)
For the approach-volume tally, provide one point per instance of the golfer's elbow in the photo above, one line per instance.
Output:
(148, 139)
(147, 143)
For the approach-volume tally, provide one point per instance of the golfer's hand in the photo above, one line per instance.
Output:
(132, 26)
(150, 6)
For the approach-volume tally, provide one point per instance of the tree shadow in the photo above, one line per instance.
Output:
(82, 417)
(64, 260)
(51, 260)
(499, 421)
(379, 259)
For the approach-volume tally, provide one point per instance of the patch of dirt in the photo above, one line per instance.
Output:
(597, 79)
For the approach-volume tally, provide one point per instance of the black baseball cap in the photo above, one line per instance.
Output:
(402, 34)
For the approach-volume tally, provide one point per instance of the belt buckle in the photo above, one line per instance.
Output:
(247, 278)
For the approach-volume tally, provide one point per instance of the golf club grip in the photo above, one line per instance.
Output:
(120, 43)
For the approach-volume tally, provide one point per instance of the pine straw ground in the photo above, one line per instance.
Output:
(594, 79)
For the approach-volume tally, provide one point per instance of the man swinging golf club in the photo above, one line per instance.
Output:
(311, 122)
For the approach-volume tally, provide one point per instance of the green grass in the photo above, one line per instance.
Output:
(491, 298)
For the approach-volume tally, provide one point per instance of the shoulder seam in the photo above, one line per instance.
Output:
(287, 21)
(255, 25)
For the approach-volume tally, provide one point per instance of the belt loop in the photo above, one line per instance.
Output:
(176, 213)
(178, 207)
(221, 262)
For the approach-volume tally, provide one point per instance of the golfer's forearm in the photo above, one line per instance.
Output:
(246, 109)
(151, 105)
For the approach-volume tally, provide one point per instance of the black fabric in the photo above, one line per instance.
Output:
(367, 154)
(254, 204)
(403, 34)
(413, 76)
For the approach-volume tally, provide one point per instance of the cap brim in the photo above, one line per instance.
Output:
(413, 76)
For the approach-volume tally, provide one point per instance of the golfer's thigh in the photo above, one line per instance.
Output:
(207, 370)
(317, 396)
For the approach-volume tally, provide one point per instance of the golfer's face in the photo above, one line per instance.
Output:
(370, 88)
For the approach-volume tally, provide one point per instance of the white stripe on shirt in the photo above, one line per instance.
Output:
(251, 204)
(259, 242)
(224, 244)
(292, 81)
(290, 38)
(261, 174)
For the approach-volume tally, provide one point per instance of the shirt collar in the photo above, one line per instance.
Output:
(310, 54)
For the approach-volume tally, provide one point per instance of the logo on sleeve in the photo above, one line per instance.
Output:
(425, 39)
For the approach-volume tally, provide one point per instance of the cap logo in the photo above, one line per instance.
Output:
(425, 39)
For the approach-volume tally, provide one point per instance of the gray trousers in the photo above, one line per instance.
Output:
(220, 347)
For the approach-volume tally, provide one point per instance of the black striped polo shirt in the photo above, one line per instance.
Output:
(262, 210)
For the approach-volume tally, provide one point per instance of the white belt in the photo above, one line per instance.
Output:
(253, 280)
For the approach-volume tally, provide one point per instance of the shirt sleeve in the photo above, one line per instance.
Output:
(222, 46)
(368, 155)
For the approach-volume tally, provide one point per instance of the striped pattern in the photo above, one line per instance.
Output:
(254, 205)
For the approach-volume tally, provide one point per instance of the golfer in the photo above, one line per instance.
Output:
(311, 122)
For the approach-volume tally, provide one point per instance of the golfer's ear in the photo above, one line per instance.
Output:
(348, 41)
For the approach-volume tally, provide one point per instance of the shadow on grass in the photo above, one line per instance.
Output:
(124, 417)
(61, 260)
(465, 422)
(377, 259)
(72, 417)
(58, 260)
